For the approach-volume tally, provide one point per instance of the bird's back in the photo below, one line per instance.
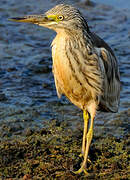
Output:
(111, 84)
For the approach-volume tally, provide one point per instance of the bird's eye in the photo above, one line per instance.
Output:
(60, 17)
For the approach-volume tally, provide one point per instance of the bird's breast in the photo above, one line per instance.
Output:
(65, 77)
(60, 62)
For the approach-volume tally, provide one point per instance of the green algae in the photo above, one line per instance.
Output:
(53, 153)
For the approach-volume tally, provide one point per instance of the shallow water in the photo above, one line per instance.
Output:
(27, 92)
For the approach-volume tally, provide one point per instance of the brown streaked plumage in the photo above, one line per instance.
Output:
(85, 68)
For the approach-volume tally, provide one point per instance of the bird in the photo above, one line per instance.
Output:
(85, 68)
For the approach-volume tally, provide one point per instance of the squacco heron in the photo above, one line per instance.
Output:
(85, 68)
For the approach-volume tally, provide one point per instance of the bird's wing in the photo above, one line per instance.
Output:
(111, 83)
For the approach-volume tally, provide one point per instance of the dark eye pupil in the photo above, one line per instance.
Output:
(60, 17)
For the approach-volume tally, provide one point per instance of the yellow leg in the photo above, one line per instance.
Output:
(89, 139)
(86, 119)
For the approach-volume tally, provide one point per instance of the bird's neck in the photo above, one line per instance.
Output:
(61, 36)
(69, 31)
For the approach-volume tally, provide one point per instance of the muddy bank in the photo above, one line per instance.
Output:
(53, 153)
(27, 91)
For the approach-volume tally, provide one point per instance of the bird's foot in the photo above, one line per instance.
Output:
(82, 169)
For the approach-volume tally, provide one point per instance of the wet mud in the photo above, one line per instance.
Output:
(53, 153)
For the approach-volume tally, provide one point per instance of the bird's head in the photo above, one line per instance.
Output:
(60, 17)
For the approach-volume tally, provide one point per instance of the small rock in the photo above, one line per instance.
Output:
(11, 69)
(27, 177)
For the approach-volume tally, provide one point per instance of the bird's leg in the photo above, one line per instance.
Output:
(86, 119)
(89, 138)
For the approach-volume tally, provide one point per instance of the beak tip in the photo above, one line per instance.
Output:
(18, 19)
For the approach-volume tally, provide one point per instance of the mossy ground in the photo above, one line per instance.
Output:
(53, 153)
